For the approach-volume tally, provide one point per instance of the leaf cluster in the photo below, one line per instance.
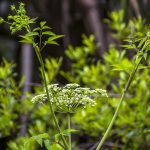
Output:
(19, 19)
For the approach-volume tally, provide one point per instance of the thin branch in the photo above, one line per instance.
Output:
(118, 107)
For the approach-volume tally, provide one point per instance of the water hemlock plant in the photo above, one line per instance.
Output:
(72, 97)
(67, 99)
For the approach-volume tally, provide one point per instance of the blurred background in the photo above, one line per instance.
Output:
(71, 18)
(94, 32)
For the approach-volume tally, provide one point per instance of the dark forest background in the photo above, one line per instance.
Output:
(71, 18)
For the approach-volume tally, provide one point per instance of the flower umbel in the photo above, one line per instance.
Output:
(71, 97)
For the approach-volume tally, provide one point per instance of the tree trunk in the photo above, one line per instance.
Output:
(94, 22)
(26, 70)
(65, 22)
(135, 6)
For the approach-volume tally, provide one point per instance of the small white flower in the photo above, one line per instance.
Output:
(70, 97)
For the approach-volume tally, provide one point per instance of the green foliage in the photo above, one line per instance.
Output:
(11, 107)
(123, 29)
(133, 124)
(83, 54)
(84, 68)
(19, 20)
(40, 139)
(1, 20)
(9, 95)
(128, 125)
(40, 32)
(52, 67)
(65, 133)
(116, 22)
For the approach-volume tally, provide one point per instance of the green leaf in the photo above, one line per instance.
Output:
(69, 131)
(37, 29)
(21, 82)
(42, 23)
(1, 20)
(38, 138)
(51, 42)
(65, 133)
(46, 27)
(128, 40)
(54, 37)
(27, 39)
(145, 46)
(31, 34)
(145, 56)
(132, 46)
(48, 33)
(33, 20)
(143, 67)
(141, 42)
(48, 145)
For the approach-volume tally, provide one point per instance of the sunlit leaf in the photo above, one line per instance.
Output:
(37, 29)
(54, 37)
(42, 23)
(47, 33)
(48, 145)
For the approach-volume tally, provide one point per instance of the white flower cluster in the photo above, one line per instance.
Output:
(70, 97)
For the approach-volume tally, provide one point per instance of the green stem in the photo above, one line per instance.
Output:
(50, 105)
(40, 40)
(118, 107)
(69, 127)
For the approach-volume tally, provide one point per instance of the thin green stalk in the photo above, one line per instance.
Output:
(69, 127)
(50, 105)
(40, 40)
(118, 107)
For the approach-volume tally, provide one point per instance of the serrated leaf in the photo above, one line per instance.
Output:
(42, 23)
(48, 145)
(43, 135)
(26, 41)
(52, 42)
(54, 37)
(25, 37)
(46, 27)
(33, 20)
(37, 29)
(48, 33)
(31, 34)
(38, 140)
